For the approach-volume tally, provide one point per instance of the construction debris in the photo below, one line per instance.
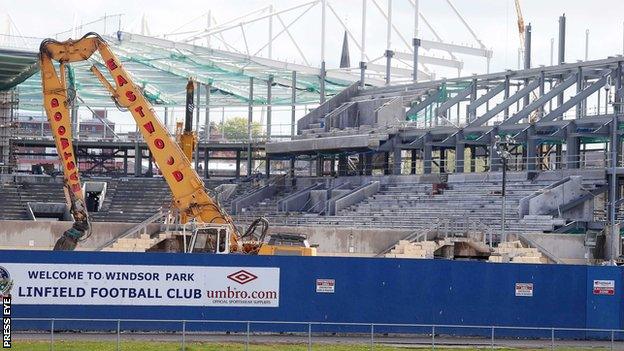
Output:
(513, 251)
(420, 249)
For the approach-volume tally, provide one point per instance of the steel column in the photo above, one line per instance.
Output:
(428, 151)
(207, 122)
(561, 52)
(527, 58)
(362, 74)
(269, 107)
(206, 162)
(495, 160)
(197, 107)
(138, 155)
(460, 148)
(531, 151)
(322, 82)
(293, 99)
(388, 54)
(397, 161)
(572, 147)
(249, 126)
(416, 44)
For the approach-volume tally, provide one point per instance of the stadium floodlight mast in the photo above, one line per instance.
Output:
(501, 146)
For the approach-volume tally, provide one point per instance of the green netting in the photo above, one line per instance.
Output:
(552, 142)
(594, 140)
(162, 73)
(444, 93)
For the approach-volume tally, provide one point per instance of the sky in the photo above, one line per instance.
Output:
(494, 21)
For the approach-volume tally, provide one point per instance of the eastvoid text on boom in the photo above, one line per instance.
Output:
(131, 293)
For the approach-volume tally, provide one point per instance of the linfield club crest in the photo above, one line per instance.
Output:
(5, 282)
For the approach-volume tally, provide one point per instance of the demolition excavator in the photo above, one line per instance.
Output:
(214, 230)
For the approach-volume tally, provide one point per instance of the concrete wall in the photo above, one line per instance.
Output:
(390, 113)
(568, 247)
(361, 193)
(41, 235)
(333, 241)
(253, 198)
(559, 194)
(327, 107)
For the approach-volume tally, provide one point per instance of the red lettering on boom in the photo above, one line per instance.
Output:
(139, 110)
(54, 103)
(67, 155)
(110, 63)
(76, 188)
(130, 95)
(58, 116)
(60, 130)
(159, 143)
(71, 165)
(64, 143)
(178, 176)
(149, 127)
(121, 81)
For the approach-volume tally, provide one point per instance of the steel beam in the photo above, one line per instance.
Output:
(577, 99)
(551, 72)
(431, 60)
(431, 98)
(472, 108)
(460, 49)
(441, 111)
(541, 101)
(505, 104)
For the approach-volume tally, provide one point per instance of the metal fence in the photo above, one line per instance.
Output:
(245, 333)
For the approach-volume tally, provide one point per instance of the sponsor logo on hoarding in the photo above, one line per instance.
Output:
(5, 282)
(604, 287)
(242, 277)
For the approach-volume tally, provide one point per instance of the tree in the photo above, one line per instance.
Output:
(236, 129)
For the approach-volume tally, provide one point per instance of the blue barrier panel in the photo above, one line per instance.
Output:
(367, 290)
(604, 296)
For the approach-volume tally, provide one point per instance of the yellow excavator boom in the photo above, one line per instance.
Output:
(187, 188)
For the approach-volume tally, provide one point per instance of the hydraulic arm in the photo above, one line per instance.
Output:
(187, 188)
(57, 104)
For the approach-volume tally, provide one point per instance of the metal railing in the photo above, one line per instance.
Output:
(185, 332)
(140, 228)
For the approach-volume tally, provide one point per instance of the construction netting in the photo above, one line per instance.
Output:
(163, 67)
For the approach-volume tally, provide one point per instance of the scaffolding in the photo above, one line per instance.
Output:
(8, 130)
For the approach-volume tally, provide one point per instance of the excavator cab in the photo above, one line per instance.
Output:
(210, 239)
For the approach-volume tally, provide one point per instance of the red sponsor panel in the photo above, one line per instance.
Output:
(604, 287)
